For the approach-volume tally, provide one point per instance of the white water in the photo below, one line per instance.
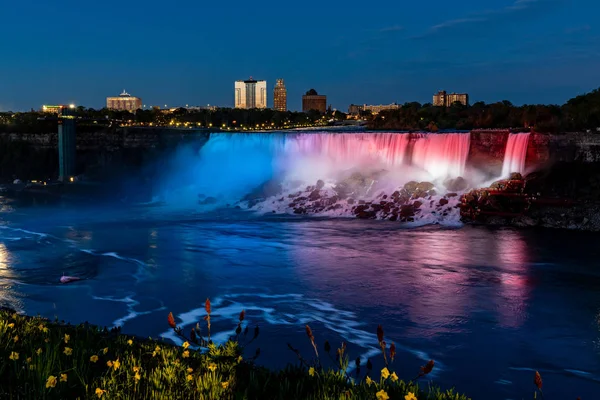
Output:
(515, 154)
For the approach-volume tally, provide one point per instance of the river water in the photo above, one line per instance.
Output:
(490, 306)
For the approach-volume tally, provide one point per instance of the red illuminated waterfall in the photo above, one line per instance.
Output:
(443, 154)
(515, 154)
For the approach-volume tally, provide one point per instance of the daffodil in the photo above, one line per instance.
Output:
(41, 327)
(382, 395)
(224, 384)
(116, 364)
(185, 354)
(39, 351)
(137, 376)
(190, 370)
(28, 360)
(51, 382)
(394, 377)
(311, 371)
(104, 351)
(100, 392)
(212, 367)
(153, 354)
(45, 329)
(385, 373)
(240, 358)
(190, 378)
(185, 345)
(14, 356)
(67, 338)
(368, 380)
(68, 351)
(11, 325)
(130, 342)
(94, 358)
(136, 369)
(47, 340)
(410, 396)
(63, 377)
(157, 349)
(16, 338)
(109, 364)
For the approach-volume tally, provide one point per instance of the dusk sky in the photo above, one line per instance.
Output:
(191, 52)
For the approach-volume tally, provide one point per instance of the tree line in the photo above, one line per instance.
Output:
(581, 113)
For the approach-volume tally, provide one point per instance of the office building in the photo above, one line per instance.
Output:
(124, 102)
(250, 94)
(443, 99)
(56, 109)
(280, 96)
(355, 109)
(314, 101)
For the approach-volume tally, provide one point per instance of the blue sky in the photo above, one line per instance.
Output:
(190, 52)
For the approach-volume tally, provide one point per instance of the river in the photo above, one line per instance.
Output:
(490, 306)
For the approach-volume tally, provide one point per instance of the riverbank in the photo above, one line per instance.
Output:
(51, 360)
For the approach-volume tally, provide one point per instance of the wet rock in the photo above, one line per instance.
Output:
(456, 185)
(419, 194)
(515, 176)
(395, 195)
(281, 199)
(299, 210)
(384, 196)
(443, 202)
(417, 204)
(432, 192)
(366, 215)
(407, 210)
(452, 195)
(411, 186)
(314, 195)
(320, 184)
(351, 201)
(361, 202)
(393, 217)
(425, 186)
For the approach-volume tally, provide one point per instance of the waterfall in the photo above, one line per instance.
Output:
(515, 154)
(231, 164)
(442, 155)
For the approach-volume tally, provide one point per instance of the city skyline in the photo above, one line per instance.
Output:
(524, 51)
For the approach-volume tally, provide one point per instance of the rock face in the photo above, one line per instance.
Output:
(567, 195)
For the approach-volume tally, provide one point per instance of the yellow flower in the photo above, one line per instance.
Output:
(109, 364)
(311, 371)
(105, 350)
(185, 354)
(94, 358)
(240, 358)
(190, 370)
(100, 392)
(394, 377)
(116, 364)
(11, 325)
(190, 378)
(136, 369)
(45, 329)
(382, 395)
(28, 360)
(137, 376)
(63, 377)
(157, 349)
(185, 345)
(14, 316)
(14, 356)
(47, 340)
(130, 342)
(410, 396)
(385, 373)
(224, 384)
(369, 381)
(68, 351)
(176, 361)
(51, 382)
(16, 338)
(212, 367)
(39, 351)
(67, 338)
(153, 354)
(41, 327)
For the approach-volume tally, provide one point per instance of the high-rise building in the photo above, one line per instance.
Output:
(280, 96)
(314, 101)
(250, 94)
(124, 102)
(443, 99)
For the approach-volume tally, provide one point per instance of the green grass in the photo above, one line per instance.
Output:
(109, 365)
